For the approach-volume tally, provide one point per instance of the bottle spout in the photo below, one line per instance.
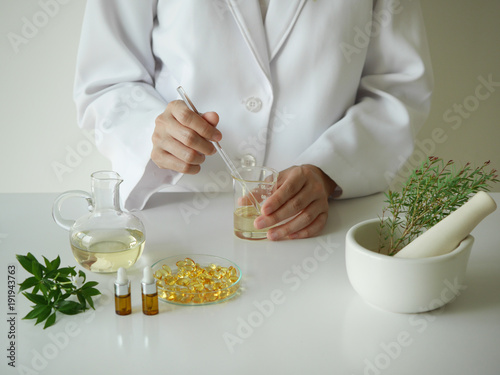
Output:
(105, 188)
(107, 177)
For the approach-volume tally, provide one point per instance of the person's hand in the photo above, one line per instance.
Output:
(181, 138)
(302, 191)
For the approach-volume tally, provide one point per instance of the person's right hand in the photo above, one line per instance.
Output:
(181, 138)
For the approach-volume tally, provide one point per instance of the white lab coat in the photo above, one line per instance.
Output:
(314, 84)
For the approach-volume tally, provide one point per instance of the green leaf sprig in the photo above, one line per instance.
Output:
(431, 193)
(52, 289)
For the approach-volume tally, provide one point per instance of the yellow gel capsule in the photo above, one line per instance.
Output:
(171, 296)
(189, 261)
(192, 283)
(232, 271)
(182, 282)
(197, 299)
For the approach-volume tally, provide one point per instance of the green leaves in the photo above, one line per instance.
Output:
(431, 193)
(52, 289)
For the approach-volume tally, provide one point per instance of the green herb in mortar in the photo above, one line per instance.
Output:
(431, 193)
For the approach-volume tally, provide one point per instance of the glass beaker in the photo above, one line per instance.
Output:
(107, 238)
(256, 185)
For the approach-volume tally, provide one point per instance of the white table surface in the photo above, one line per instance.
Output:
(297, 312)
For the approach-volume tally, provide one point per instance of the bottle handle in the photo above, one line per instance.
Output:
(56, 207)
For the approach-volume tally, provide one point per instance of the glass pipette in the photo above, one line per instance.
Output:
(230, 165)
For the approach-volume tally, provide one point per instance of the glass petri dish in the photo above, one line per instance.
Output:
(196, 279)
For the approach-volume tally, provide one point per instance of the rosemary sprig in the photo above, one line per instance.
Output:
(52, 287)
(431, 193)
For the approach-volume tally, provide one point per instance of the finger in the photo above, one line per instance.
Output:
(182, 152)
(247, 200)
(289, 209)
(285, 191)
(195, 122)
(312, 229)
(178, 147)
(189, 138)
(164, 159)
(300, 222)
(164, 144)
(165, 139)
(212, 118)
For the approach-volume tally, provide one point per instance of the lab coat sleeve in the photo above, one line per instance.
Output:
(364, 150)
(115, 95)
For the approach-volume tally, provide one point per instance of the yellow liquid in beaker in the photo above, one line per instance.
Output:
(243, 224)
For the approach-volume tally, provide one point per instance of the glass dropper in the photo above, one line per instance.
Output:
(227, 160)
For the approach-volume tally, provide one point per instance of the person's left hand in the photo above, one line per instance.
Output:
(302, 191)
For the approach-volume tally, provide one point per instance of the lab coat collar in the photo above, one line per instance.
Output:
(280, 19)
(265, 40)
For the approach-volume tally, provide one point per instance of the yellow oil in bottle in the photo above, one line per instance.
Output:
(150, 304)
(106, 250)
(123, 305)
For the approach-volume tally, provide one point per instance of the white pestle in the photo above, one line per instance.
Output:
(447, 234)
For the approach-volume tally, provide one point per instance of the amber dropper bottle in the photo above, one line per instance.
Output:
(149, 293)
(123, 302)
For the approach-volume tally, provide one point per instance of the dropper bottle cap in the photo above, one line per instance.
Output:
(148, 284)
(122, 283)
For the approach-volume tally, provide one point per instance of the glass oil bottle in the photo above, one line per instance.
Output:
(149, 292)
(107, 238)
(123, 300)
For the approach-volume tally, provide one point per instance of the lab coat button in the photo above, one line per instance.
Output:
(248, 160)
(253, 104)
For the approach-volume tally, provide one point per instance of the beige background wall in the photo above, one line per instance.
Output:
(42, 150)
(464, 39)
